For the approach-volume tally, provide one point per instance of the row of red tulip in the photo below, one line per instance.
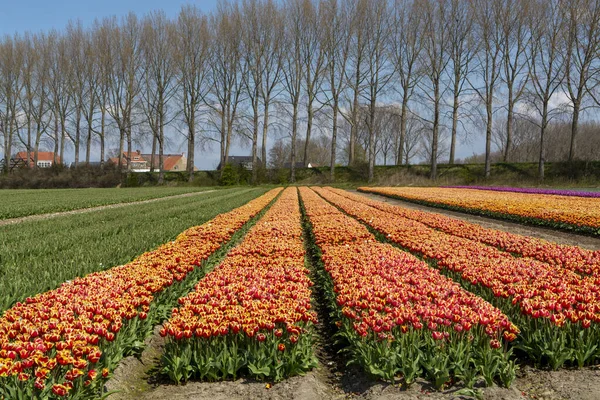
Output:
(398, 314)
(61, 342)
(252, 314)
(557, 310)
(571, 257)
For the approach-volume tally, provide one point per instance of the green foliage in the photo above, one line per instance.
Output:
(38, 256)
(229, 176)
(22, 202)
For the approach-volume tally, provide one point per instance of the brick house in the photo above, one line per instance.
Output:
(45, 158)
(141, 162)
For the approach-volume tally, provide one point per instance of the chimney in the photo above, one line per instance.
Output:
(139, 152)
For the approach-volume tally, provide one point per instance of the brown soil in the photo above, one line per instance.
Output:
(549, 234)
(137, 379)
(333, 380)
(39, 217)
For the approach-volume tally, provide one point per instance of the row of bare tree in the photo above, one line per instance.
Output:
(254, 67)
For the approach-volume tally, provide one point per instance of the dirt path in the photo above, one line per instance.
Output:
(137, 379)
(39, 217)
(549, 234)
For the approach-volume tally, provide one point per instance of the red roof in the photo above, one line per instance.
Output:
(169, 160)
(42, 156)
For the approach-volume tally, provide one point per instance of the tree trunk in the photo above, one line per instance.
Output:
(354, 125)
(402, 128)
(77, 135)
(263, 150)
(333, 141)
(102, 132)
(509, 124)
(121, 147)
(28, 140)
(191, 146)
(372, 140)
(309, 122)
(153, 152)
(542, 139)
(294, 135)
(574, 130)
(63, 131)
(255, 143)
(436, 123)
(488, 139)
(56, 140)
(161, 143)
(455, 106)
(223, 138)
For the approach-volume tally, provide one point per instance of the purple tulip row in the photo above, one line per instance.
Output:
(531, 190)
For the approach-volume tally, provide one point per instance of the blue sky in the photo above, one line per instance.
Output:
(43, 15)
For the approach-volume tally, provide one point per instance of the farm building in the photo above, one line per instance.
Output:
(141, 162)
(45, 158)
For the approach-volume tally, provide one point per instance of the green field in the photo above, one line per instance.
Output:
(37, 256)
(23, 202)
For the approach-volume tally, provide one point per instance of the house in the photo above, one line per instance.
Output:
(45, 158)
(244, 161)
(142, 162)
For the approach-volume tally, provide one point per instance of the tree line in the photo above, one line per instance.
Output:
(387, 78)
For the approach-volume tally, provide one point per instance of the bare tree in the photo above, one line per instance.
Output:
(313, 58)
(124, 80)
(582, 45)
(76, 47)
(262, 32)
(60, 72)
(41, 75)
(160, 85)
(227, 82)
(488, 68)
(407, 44)
(11, 59)
(356, 73)
(378, 69)
(103, 53)
(293, 71)
(192, 54)
(545, 64)
(514, 45)
(335, 41)
(436, 56)
(463, 48)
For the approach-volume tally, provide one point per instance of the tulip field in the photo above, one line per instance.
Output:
(406, 295)
(563, 211)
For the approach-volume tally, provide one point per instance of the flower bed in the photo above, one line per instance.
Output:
(556, 309)
(571, 257)
(400, 316)
(556, 192)
(66, 341)
(567, 213)
(252, 314)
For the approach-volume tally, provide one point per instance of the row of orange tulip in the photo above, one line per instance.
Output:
(565, 212)
(571, 257)
(251, 314)
(557, 310)
(398, 314)
(63, 342)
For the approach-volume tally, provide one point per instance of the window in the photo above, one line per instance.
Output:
(44, 164)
